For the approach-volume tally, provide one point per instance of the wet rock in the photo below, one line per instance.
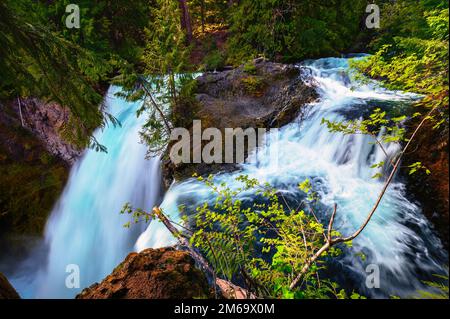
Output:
(46, 121)
(259, 95)
(265, 95)
(7, 291)
(163, 273)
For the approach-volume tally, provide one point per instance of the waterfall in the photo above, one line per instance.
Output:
(399, 239)
(85, 228)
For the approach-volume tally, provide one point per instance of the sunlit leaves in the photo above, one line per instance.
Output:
(232, 233)
(413, 56)
(377, 125)
(417, 166)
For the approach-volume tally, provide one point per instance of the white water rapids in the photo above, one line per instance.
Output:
(86, 229)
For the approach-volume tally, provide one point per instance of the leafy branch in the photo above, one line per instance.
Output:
(333, 241)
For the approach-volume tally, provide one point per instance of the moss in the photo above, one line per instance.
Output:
(253, 85)
(28, 194)
(250, 68)
(31, 180)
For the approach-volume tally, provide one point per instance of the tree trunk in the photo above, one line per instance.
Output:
(186, 19)
(202, 13)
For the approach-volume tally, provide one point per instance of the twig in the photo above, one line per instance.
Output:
(166, 123)
(20, 111)
(383, 149)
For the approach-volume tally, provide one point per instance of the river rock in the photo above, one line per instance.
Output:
(163, 273)
(7, 291)
(262, 94)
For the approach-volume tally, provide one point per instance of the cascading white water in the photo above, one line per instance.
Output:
(399, 239)
(85, 228)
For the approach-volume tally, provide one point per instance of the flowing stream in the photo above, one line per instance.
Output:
(87, 230)
(398, 240)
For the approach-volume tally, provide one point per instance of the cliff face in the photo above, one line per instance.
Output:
(7, 291)
(46, 121)
(163, 273)
(431, 191)
(34, 163)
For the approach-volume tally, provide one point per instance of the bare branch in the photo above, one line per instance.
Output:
(383, 149)
(161, 113)
(20, 111)
(330, 224)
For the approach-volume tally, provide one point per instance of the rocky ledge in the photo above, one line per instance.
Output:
(7, 291)
(46, 121)
(260, 94)
(163, 273)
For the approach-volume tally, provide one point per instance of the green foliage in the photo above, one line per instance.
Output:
(262, 244)
(250, 68)
(438, 290)
(265, 243)
(208, 15)
(307, 188)
(42, 58)
(416, 167)
(214, 60)
(372, 126)
(294, 29)
(166, 85)
(411, 54)
(253, 85)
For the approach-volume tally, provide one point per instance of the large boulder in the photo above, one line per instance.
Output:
(163, 273)
(260, 94)
(7, 291)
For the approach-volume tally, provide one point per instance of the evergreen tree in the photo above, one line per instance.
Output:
(295, 29)
(40, 63)
(166, 83)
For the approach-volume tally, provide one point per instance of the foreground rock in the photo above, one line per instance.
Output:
(7, 291)
(262, 94)
(163, 273)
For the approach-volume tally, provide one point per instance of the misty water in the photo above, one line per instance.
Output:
(86, 229)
